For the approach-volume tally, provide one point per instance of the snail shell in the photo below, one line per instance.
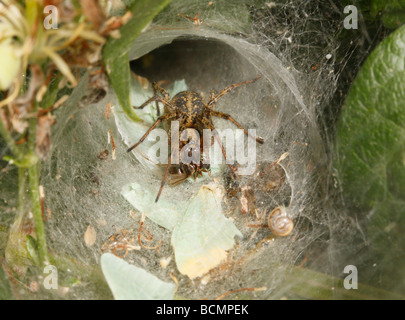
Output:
(279, 223)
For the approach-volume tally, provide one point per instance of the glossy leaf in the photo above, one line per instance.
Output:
(371, 154)
(371, 131)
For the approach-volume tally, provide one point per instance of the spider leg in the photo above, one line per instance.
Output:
(228, 89)
(154, 98)
(208, 124)
(223, 152)
(229, 117)
(159, 120)
(157, 103)
(213, 93)
(164, 178)
(165, 99)
(164, 93)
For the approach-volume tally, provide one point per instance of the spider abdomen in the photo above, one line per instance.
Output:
(190, 105)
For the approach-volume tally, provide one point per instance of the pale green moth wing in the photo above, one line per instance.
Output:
(128, 282)
(164, 213)
(203, 235)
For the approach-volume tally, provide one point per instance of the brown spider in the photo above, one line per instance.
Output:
(188, 108)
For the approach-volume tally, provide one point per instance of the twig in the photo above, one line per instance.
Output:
(148, 237)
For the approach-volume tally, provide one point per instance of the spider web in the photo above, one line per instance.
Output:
(295, 46)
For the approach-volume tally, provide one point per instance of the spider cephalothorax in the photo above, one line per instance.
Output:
(188, 108)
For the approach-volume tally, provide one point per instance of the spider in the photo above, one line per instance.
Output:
(188, 108)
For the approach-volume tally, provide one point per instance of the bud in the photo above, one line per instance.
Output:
(10, 64)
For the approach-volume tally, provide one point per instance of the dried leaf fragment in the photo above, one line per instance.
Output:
(43, 141)
(90, 236)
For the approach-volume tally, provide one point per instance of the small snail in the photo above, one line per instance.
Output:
(279, 223)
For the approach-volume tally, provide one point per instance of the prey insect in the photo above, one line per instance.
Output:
(181, 172)
(188, 108)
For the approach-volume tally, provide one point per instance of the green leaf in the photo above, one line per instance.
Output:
(115, 52)
(371, 153)
(32, 248)
(119, 74)
(128, 282)
(51, 93)
(371, 131)
(392, 11)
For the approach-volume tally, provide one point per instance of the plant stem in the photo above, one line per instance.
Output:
(32, 132)
(15, 250)
(9, 140)
(22, 179)
(33, 177)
